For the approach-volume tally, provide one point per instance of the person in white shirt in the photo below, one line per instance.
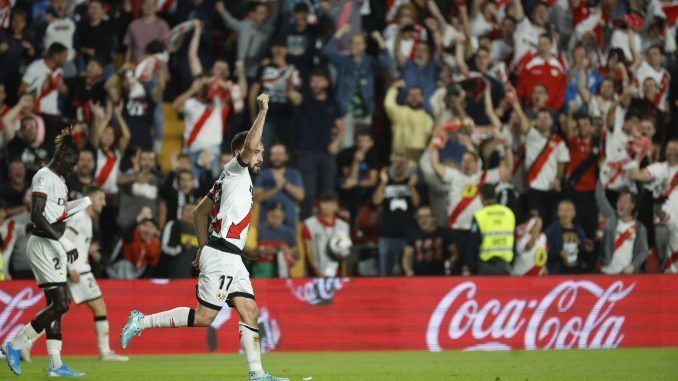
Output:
(60, 28)
(661, 179)
(624, 123)
(527, 32)
(652, 68)
(44, 78)
(624, 244)
(546, 156)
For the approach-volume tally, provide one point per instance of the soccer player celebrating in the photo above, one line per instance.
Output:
(223, 276)
(48, 251)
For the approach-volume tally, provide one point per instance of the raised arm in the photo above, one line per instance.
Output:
(438, 168)
(194, 63)
(101, 120)
(125, 134)
(231, 22)
(506, 165)
(253, 138)
(25, 102)
(603, 204)
(178, 104)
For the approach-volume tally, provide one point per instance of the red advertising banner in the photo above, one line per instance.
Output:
(343, 314)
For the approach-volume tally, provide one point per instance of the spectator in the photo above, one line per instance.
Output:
(253, 33)
(280, 184)
(582, 170)
(302, 41)
(13, 238)
(44, 78)
(531, 249)
(429, 249)
(277, 79)
(582, 75)
(567, 243)
(95, 36)
(11, 119)
(544, 69)
(652, 68)
(320, 134)
(140, 104)
(13, 191)
(411, 126)
(27, 147)
(545, 160)
(138, 190)
(172, 201)
(398, 197)
(358, 172)
(59, 28)
(86, 88)
(356, 71)
(179, 244)
(622, 125)
(464, 189)
(490, 246)
(624, 244)
(527, 33)
(143, 31)
(475, 83)
(274, 245)
(82, 176)
(203, 123)
(317, 233)
(109, 147)
(140, 249)
(421, 72)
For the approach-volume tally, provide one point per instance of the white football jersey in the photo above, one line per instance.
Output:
(106, 172)
(44, 82)
(670, 207)
(624, 254)
(661, 77)
(464, 195)
(559, 154)
(232, 208)
(79, 228)
(203, 124)
(530, 261)
(52, 187)
(663, 176)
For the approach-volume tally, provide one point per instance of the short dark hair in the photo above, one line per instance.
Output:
(631, 113)
(56, 48)
(155, 46)
(99, 60)
(582, 115)
(184, 172)
(545, 35)
(301, 8)
(488, 192)
(238, 141)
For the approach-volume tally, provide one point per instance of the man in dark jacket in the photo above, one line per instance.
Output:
(566, 242)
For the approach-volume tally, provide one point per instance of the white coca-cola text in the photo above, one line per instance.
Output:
(558, 321)
(13, 307)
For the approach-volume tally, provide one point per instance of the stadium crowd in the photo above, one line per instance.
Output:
(386, 118)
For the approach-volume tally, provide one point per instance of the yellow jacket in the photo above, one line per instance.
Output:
(411, 129)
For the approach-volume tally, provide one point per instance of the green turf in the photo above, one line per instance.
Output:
(626, 364)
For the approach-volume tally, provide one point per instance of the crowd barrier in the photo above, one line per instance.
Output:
(347, 314)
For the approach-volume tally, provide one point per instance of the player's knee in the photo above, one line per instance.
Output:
(204, 317)
(60, 307)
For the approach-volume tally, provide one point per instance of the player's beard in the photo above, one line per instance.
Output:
(254, 171)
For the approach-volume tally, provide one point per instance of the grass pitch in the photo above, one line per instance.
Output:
(620, 364)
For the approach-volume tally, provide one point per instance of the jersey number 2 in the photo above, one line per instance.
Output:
(235, 230)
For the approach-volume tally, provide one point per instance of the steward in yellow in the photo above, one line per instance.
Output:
(490, 247)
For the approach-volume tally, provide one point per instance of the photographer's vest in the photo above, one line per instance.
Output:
(497, 226)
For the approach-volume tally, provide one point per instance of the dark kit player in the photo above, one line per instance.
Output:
(223, 276)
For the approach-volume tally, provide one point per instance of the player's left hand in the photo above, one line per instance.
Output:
(196, 261)
(74, 275)
(72, 256)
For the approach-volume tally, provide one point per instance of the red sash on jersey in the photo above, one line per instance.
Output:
(672, 185)
(670, 261)
(465, 202)
(47, 90)
(106, 169)
(543, 157)
(10, 234)
(623, 237)
(198, 126)
(534, 271)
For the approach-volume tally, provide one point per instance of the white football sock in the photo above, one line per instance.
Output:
(25, 338)
(178, 317)
(249, 339)
(101, 328)
(54, 353)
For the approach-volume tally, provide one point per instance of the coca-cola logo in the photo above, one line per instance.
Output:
(574, 314)
(12, 308)
(319, 291)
